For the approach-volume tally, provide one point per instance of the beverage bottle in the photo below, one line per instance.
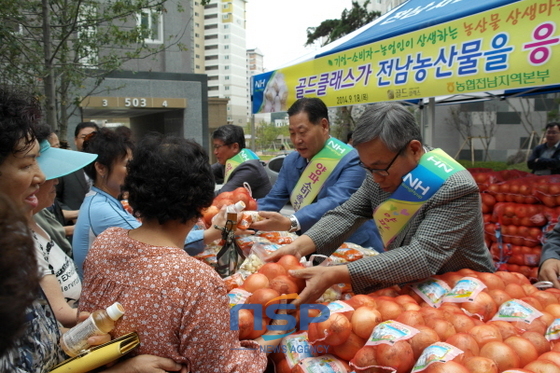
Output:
(100, 322)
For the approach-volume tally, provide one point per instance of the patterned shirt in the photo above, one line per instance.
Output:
(37, 350)
(177, 304)
(446, 234)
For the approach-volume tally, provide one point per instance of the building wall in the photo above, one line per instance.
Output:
(514, 121)
(191, 122)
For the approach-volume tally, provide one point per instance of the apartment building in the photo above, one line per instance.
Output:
(225, 56)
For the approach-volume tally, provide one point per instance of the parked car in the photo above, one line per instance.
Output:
(273, 167)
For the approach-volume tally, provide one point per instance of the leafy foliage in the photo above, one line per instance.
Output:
(350, 20)
(51, 47)
(331, 30)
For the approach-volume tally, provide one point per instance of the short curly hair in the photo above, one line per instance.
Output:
(169, 178)
(109, 146)
(19, 113)
(19, 283)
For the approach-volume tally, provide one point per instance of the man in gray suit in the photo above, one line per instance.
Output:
(426, 206)
(72, 188)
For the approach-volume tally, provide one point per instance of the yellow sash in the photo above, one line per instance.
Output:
(418, 186)
(232, 163)
(317, 172)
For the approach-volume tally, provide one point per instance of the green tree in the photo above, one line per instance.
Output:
(331, 30)
(51, 47)
(267, 135)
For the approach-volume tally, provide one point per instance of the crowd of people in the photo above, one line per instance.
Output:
(69, 246)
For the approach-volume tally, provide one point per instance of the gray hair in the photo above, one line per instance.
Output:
(391, 122)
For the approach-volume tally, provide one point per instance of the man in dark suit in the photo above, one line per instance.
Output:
(426, 206)
(72, 188)
(545, 159)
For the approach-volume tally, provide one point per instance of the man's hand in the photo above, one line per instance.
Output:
(147, 364)
(300, 247)
(550, 270)
(273, 221)
(317, 280)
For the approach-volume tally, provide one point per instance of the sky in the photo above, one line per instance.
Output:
(278, 28)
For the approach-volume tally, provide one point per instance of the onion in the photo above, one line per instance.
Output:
(290, 262)
(506, 328)
(255, 281)
(499, 296)
(389, 310)
(553, 356)
(461, 322)
(482, 305)
(523, 348)
(423, 339)
(483, 334)
(442, 327)
(364, 320)
(257, 333)
(447, 367)
(502, 354)
(515, 290)
(533, 302)
(411, 318)
(350, 347)
(271, 270)
(491, 281)
(360, 300)
(398, 356)
(553, 309)
(545, 298)
(538, 340)
(334, 331)
(283, 285)
(404, 299)
(263, 296)
(479, 364)
(542, 366)
(466, 343)
(245, 323)
(365, 357)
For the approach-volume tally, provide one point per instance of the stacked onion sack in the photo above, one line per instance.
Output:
(459, 322)
(518, 209)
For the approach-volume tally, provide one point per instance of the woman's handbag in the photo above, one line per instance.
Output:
(99, 355)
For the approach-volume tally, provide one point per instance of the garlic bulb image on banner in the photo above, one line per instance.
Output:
(275, 94)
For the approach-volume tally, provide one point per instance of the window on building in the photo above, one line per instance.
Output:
(508, 117)
(209, 47)
(210, 16)
(208, 58)
(196, 14)
(226, 57)
(226, 87)
(208, 37)
(211, 68)
(88, 52)
(210, 27)
(210, 6)
(226, 36)
(226, 67)
(151, 23)
(212, 88)
(226, 46)
(226, 26)
(226, 77)
(197, 56)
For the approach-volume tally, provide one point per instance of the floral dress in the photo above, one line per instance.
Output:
(177, 304)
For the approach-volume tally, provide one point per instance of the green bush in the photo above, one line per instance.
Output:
(496, 166)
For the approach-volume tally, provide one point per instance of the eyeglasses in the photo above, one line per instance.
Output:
(385, 171)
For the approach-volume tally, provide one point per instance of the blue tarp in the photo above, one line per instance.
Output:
(415, 15)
